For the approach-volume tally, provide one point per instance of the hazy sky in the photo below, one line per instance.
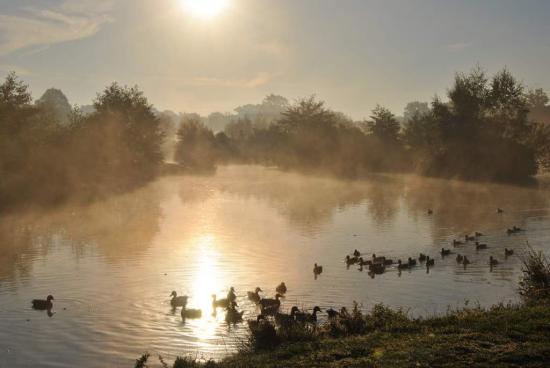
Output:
(351, 53)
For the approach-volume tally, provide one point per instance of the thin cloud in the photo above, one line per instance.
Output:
(42, 27)
(259, 80)
(6, 68)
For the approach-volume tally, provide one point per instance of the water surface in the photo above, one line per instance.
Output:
(112, 265)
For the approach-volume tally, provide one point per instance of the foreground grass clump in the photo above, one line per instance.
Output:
(535, 285)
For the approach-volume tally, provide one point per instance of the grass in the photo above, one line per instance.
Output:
(501, 336)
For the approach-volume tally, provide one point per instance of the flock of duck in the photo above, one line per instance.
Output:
(379, 264)
(269, 307)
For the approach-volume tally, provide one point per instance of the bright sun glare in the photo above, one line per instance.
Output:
(204, 9)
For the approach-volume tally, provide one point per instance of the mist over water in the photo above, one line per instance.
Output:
(112, 265)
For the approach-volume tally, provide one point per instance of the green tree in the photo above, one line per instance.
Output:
(383, 125)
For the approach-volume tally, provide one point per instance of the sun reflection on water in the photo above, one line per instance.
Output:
(206, 280)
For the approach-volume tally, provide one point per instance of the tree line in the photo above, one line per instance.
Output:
(44, 156)
(487, 129)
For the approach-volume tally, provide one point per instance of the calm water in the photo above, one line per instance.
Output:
(112, 265)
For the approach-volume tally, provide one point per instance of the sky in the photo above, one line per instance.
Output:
(353, 54)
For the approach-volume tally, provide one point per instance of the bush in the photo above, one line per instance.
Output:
(535, 284)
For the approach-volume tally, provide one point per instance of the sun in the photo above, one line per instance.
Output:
(204, 9)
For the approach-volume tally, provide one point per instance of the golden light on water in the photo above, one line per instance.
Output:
(206, 281)
(204, 9)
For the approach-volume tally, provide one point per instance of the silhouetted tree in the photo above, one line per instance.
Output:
(196, 147)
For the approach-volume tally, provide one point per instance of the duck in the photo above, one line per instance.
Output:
(499, 210)
(284, 319)
(430, 211)
(377, 268)
(42, 304)
(254, 296)
(465, 261)
(422, 257)
(190, 313)
(508, 252)
(509, 231)
(233, 315)
(307, 317)
(445, 252)
(219, 303)
(349, 261)
(317, 270)
(231, 296)
(178, 301)
(459, 258)
(429, 261)
(356, 253)
(456, 243)
(412, 262)
(493, 261)
(281, 289)
(480, 246)
(271, 303)
(332, 314)
(469, 237)
(362, 262)
(376, 259)
(478, 234)
(517, 229)
(402, 266)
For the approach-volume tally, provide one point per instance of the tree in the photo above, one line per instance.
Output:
(56, 104)
(415, 109)
(196, 147)
(383, 125)
(128, 122)
(537, 98)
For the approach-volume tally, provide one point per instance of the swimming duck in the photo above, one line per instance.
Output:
(271, 303)
(377, 268)
(499, 210)
(362, 262)
(445, 252)
(412, 262)
(254, 296)
(508, 252)
(459, 258)
(517, 229)
(388, 262)
(177, 301)
(429, 261)
(430, 211)
(465, 261)
(349, 261)
(231, 296)
(356, 253)
(42, 304)
(422, 257)
(281, 289)
(456, 243)
(219, 303)
(509, 231)
(232, 315)
(469, 237)
(317, 270)
(492, 261)
(402, 266)
(190, 313)
(376, 259)
(478, 234)
(480, 246)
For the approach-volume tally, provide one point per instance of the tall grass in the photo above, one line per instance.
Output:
(535, 283)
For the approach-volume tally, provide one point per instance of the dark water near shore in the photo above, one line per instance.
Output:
(112, 265)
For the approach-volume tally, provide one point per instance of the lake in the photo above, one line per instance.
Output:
(112, 265)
